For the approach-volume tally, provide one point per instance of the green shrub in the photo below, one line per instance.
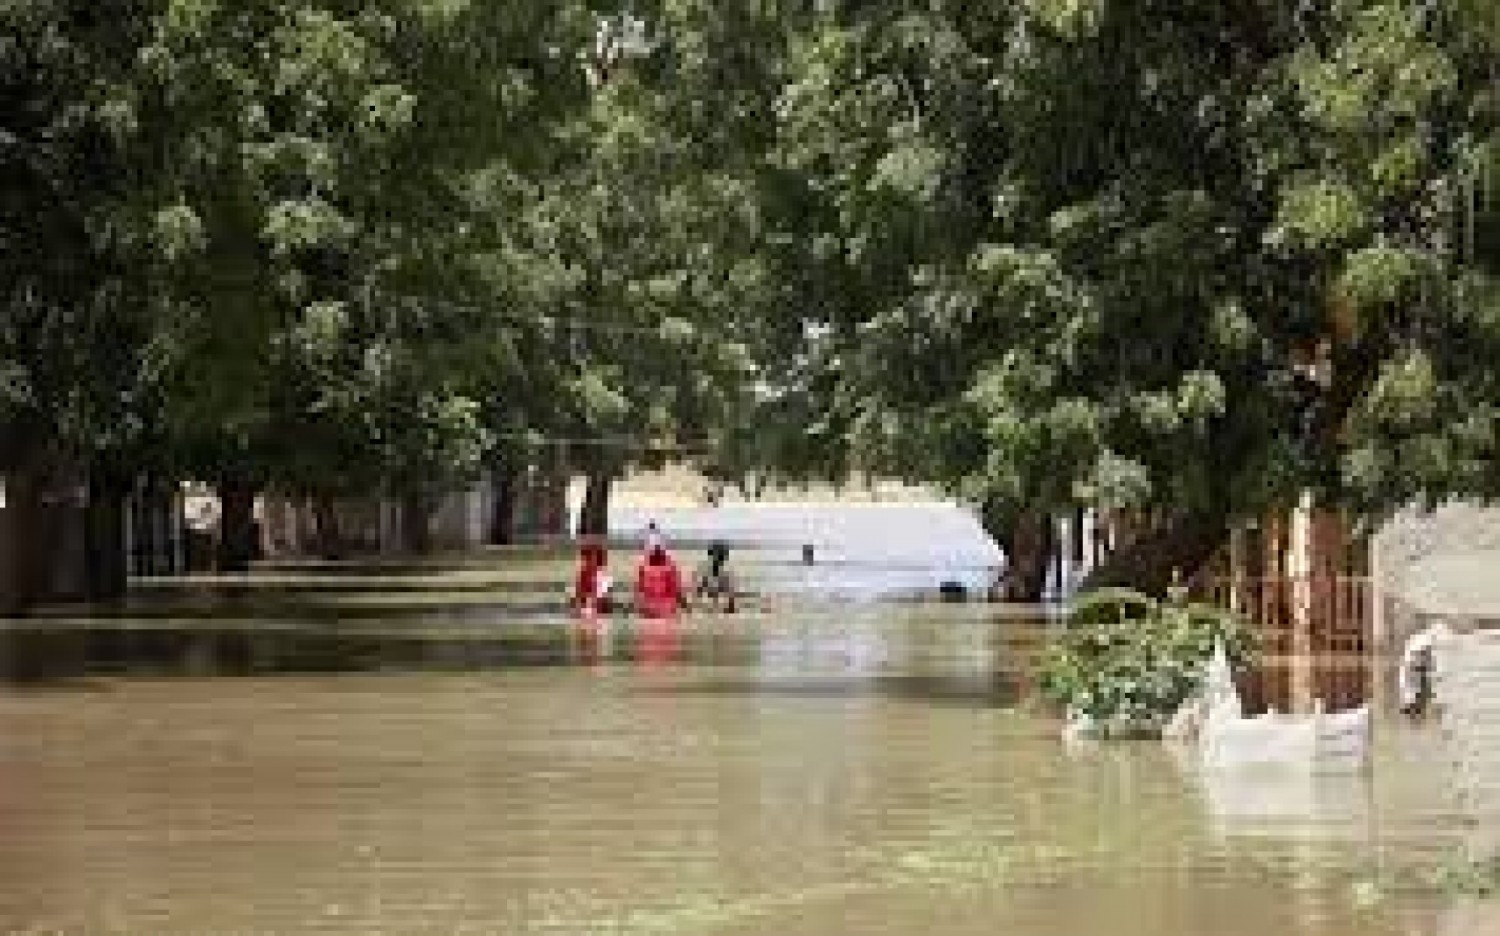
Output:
(1464, 876)
(1128, 662)
(1109, 606)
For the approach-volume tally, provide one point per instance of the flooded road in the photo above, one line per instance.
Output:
(864, 771)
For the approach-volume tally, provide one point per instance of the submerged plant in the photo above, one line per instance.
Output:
(1126, 662)
(1468, 877)
(1454, 875)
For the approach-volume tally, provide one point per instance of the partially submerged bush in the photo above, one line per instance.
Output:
(1110, 606)
(1465, 876)
(1126, 662)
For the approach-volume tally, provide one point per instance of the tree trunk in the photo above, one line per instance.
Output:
(46, 534)
(330, 539)
(10, 592)
(416, 535)
(504, 485)
(237, 539)
(163, 523)
(554, 503)
(593, 519)
(106, 569)
(1148, 561)
(25, 550)
(1030, 551)
(1028, 541)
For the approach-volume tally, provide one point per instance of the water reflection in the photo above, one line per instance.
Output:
(857, 648)
(800, 773)
(1283, 804)
(593, 637)
(658, 641)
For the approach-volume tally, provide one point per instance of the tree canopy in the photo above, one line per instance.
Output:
(1186, 258)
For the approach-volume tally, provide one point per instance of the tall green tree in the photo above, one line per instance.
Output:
(1123, 255)
(78, 390)
(332, 174)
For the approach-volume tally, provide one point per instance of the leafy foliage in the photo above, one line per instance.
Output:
(1147, 256)
(1187, 259)
(1128, 662)
(336, 249)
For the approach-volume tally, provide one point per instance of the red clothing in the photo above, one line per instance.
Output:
(586, 589)
(658, 588)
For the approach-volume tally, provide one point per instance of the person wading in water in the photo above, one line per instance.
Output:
(658, 585)
(592, 586)
(715, 583)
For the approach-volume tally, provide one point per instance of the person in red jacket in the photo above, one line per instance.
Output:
(658, 585)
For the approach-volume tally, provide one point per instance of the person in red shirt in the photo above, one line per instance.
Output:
(658, 585)
(591, 587)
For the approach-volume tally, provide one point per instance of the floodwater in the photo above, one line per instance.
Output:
(870, 769)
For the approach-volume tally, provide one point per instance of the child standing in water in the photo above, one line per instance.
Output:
(591, 588)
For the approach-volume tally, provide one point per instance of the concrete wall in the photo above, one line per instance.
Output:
(289, 526)
(1405, 553)
(1468, 693)
(461, 520)
(1444, 566)
(1415, 535)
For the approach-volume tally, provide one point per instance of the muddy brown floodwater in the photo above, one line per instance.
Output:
(796, 774)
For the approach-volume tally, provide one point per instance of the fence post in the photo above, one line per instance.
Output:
(1299, 571)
